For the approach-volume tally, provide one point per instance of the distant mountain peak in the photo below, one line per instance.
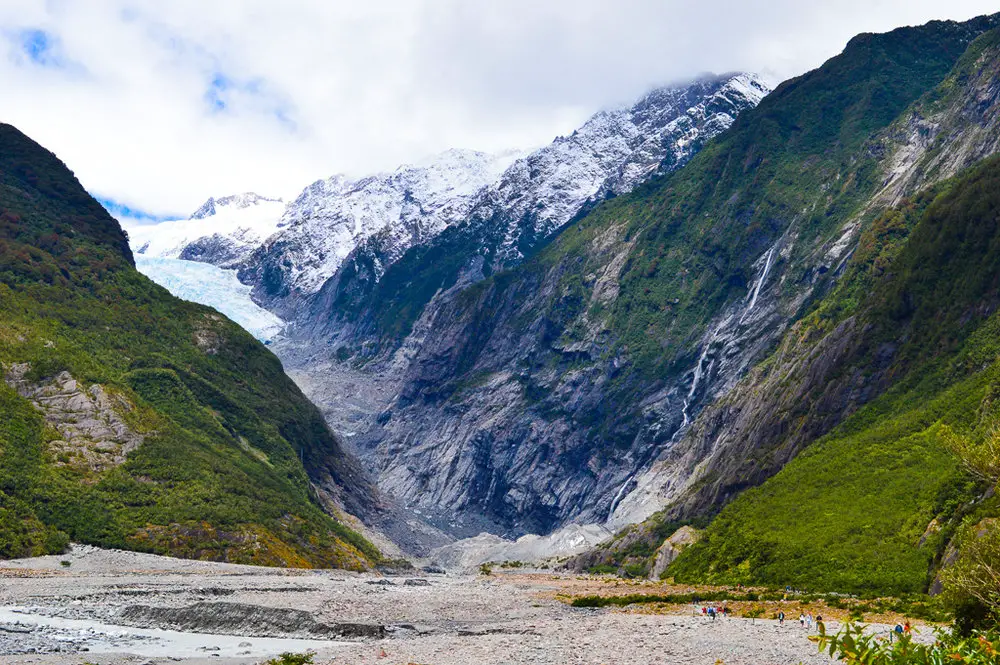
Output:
(245, 200)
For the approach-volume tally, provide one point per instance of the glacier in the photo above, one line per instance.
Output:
(216, 287)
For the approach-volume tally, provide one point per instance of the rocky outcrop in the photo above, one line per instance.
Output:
(93, 433)
(672, 548)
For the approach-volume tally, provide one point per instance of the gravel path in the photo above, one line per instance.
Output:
(110, 607)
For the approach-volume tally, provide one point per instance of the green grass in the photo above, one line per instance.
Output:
(219, 474)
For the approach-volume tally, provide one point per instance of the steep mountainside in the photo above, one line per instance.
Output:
(918, 366)
(609, 155)
(331, 217)
(221, 232)
(537, 396)
(892, 366)
(950, 128)
(131, 419)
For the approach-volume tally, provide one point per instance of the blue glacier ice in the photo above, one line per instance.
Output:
(213, 286)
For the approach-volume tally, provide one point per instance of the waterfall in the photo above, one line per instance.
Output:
(760, 282)
(700, 369)
(618, 497)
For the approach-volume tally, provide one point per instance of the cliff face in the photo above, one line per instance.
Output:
(551, 392)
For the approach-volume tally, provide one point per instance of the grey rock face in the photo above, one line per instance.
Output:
(94, 435)
(537, 195)
(503, 421)
(672, 548)
(215, 249)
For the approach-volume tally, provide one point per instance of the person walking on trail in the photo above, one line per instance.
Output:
(819, 624)
(906, 628)
(809, 620)
(781, 618)
(802, 619)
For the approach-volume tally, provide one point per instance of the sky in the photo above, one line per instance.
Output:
(158, 104)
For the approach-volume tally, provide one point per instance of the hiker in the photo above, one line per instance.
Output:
(819, 624)
(906, 628)
(898, 630)
(809, 620)
(781, 618)
(725, 611)
(802, 620)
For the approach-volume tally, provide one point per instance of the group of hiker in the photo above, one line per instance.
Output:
(805, 620)
(714, 611)
(900, 630)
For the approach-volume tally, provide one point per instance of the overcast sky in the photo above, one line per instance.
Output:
(159, 104)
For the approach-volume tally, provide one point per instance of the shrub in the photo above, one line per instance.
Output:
(289, 658)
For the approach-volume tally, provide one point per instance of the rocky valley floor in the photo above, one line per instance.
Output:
(109, 607)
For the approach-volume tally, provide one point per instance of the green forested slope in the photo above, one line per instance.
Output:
(216, 473)
(854, 511)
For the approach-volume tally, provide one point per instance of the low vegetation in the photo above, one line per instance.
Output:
(856, 646)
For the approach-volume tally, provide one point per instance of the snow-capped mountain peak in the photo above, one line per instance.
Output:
(221, 231)
(411, 204)
(238, 201)
(611, 153)
(514, 200)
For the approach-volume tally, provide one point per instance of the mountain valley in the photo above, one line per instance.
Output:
(725, 335)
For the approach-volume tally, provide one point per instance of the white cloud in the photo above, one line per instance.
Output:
(304, 89)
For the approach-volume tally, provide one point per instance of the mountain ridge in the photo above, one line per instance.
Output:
(610, 154)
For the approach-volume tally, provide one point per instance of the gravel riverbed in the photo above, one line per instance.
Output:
(111, 607)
